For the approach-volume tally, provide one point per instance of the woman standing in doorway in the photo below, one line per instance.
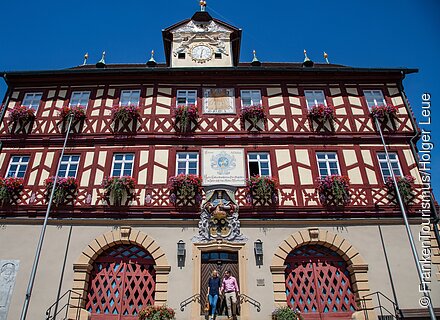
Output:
(213, 292)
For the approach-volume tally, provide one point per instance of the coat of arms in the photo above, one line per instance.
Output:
(223, 163)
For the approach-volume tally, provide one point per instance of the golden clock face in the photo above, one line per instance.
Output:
(201, 53)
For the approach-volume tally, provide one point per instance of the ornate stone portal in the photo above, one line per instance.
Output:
(219, 216)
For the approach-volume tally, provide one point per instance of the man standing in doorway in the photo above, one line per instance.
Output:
(231, 291)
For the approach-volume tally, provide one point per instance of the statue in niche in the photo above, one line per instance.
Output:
(8, 271)
(219, 217)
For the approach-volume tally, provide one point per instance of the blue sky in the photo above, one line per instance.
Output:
(49, 34)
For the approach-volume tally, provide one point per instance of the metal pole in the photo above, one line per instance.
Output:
(62, 275)
(43, 232)
(407, 227)
(389, 274)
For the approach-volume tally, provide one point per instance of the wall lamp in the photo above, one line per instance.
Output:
(181, 254)
(258, 250)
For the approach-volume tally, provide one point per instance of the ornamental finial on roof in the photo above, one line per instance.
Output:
(307, 62)
(152, 62)
(202, 5)
(326, 57)
(255, 61)
(101, 63)
(86, 56)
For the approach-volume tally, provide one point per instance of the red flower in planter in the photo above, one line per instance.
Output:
(185, 115)
(334, 189)
(185, 186)
(10, 187)
(322, 111)
(253, 114)
(22, 113)
(78, 112)
(265, 188)
(125, 113)
(381, 112)
(63, 187)
(405, 184)
(116, 186)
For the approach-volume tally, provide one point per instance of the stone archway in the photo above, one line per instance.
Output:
(356, 264)
(125, 235)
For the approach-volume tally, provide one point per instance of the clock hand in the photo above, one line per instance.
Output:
(201, 53)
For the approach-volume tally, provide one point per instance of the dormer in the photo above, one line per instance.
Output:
(202, 41)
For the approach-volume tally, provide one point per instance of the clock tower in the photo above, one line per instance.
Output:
(202, 41)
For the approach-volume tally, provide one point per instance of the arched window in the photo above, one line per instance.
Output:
(122, 282)
(318, 283)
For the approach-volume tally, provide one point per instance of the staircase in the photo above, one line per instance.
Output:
(385, 308)
(59, 310)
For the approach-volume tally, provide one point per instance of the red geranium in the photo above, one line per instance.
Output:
(253, 114)
(334, 189)
(185, 115)
(22, 113)
(78, 112)
(381, 112)
(322, 111)
(185, 186)
(266, 188)
(116, 186)
(9, 187)
(405, 185)
(63, 187)
(125, 113)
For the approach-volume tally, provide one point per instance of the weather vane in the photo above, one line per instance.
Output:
(326, 57)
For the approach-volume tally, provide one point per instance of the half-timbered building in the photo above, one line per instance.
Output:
(295, 196)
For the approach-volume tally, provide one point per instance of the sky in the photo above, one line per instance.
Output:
(49, 34)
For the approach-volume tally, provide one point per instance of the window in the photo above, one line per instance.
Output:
(327, 163)
(218, 55)
(69, 166)
(32, 100)
(250, 98)
(122, 164)
(181, 55)
(259, 164)
(79, 98)
(314, 97)
(186, 97)
(381, 156)
(130, 97)
(187, 163)
(17, 166)
(374, 98)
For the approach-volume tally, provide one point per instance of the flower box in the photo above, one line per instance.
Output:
(253, 117)
(22, 118)
(334, 190)
(263, 190)
(117, 187)
(322, 112)
(382, 112)
(285, 313)
(185, 118)
(9, 189)
(125, 118)
(65, 190)
(79, 115)
(157, 313)
(185, 189)
(406, 187)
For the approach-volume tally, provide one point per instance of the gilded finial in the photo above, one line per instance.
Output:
(101, 63)
(202, 5)
(86, 56)
(255, 61)
(151, 62)
(326, 57)
(307, 62)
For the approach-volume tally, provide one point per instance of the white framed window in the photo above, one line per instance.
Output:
(186, 97)
(259, 164)
(187, 163)
(327, 163)
(314, 98)
(69, 166)
(395, 165)
(374, 98)
(250, 98)
(130, 97)
(122, 164)
(17, 166)
(79, 98)
(32, 100)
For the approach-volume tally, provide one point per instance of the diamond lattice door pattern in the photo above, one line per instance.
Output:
(318, 284)
(122, 281)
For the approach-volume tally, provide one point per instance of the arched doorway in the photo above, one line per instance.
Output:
(122, 282)
(318, 283)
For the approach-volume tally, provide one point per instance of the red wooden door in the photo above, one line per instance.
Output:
(122, 282)
(318, 284)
